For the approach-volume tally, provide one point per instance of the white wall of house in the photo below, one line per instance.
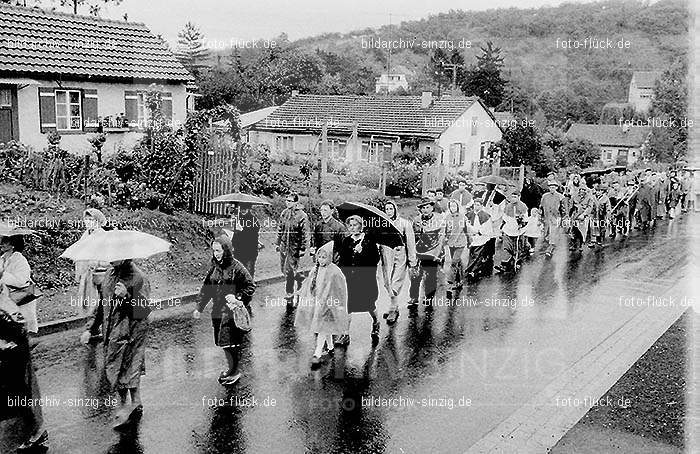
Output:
(640, 98)
(390, 82)
(472, 129)
(283, 143)
(110, 101)
(608, 154)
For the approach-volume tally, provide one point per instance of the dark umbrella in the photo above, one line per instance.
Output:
(493, 179)
(376, 220)
(239, 197)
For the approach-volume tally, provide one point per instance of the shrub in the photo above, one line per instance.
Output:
(403, 180)
(13, 161)
(364, 174)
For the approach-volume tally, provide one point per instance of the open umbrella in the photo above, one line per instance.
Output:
(115, 245)
(7, 229)
(493, 179)
(239, 197)
(375, 219)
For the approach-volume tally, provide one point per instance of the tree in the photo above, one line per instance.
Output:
(484, 79)
(521, 145)
(191, 50)
(442, 72)
(94, 6)
(669, 110)
(562, 107)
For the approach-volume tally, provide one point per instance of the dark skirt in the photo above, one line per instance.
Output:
(18, 381)
(362, 288)
(226, 334)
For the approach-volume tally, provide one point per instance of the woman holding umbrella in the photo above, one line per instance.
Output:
(229, 285)
(122, 311)
(358, 260)
(123, 315)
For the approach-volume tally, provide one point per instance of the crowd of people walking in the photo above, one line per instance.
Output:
(368, 250)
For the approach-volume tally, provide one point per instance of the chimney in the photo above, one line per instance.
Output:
(426, 99)
(295, 93)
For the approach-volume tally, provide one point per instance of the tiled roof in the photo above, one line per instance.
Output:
(645, 79)
(610, 135)
(47, 43)
(390, 115)
(250, 118)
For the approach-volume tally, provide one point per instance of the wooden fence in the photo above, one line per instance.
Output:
(215, 176)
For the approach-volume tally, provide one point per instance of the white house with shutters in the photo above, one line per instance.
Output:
(81, 75)
(458, 130)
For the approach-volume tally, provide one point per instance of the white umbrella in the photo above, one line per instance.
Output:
(115, 245)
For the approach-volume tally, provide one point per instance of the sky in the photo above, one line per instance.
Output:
(224, 20)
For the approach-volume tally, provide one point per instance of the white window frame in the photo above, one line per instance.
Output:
(68, 105)
(8, 102)
(142, 113)
(455, 154)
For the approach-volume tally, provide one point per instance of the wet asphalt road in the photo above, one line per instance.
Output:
(453, 375)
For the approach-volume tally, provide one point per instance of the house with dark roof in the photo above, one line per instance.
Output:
(79, 75)
(641, 89)
(619, 144)
(457, 129)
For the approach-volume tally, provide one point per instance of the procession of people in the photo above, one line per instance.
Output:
(357, 250)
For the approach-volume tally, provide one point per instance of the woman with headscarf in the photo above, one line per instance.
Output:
(16, 274)
(122, 312)
(89, 273)
(18, 377)
(455, 233)
(228, 285)
(396, 261)
(358, 259)
(323, 303)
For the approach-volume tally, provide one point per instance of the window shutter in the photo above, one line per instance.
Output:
(90, 121)
(167, 108)
(131, 107)
(47, 110)
(461, 154)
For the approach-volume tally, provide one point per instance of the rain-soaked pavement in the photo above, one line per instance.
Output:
(450, 377)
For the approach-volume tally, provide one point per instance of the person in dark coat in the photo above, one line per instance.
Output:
(227, 284)
(429, 230)
(123, 313)
(328, 229)
(293, 240)
(359, 258)
(531, 194)
(245, 240)
(18, 379)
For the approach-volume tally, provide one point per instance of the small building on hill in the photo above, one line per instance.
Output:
(392, 80)
(620, 145)
(641, 90)
(457, 130)
(79, 75)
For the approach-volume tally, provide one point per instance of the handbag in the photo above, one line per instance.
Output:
(24, 295)
(241, 317)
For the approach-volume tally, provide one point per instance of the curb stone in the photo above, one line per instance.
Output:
(172, 311)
